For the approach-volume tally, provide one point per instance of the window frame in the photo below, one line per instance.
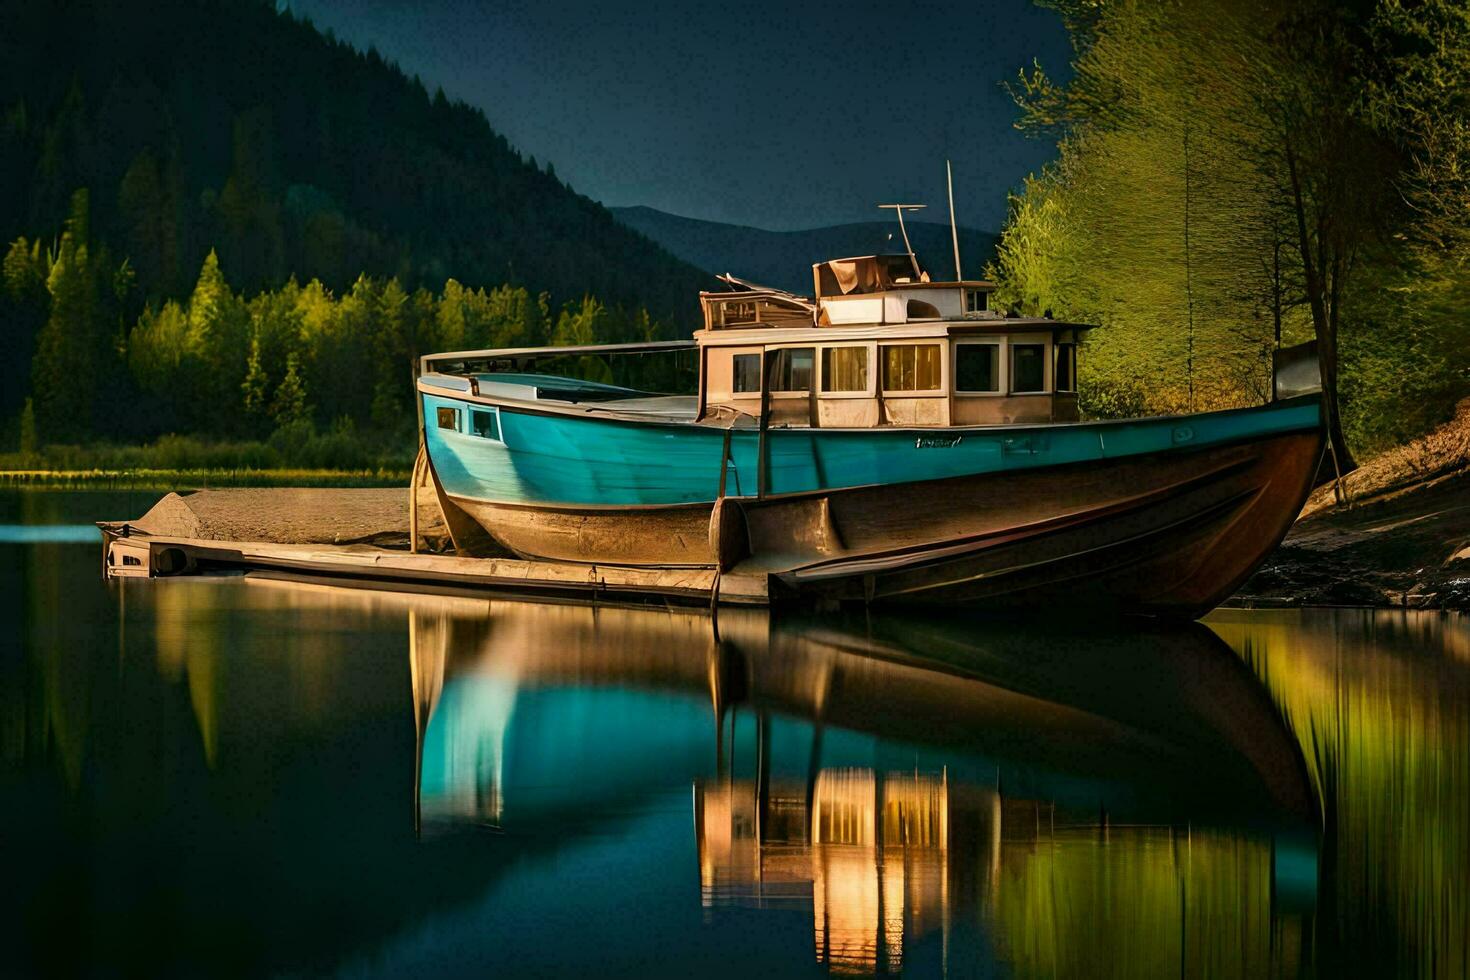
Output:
(760, 367)
(443, 411)
(1057, 348)
(1011, 346)
(1002, 375)
(816, 367)
(984, 295)
(492, 411)
(873, 367)
(941, 392)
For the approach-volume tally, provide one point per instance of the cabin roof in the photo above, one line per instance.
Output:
(866, 274)
(948, 284)
(763, 334)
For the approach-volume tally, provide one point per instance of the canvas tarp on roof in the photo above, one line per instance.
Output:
(860, 275)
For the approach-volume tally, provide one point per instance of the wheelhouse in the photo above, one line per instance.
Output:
(880, 344)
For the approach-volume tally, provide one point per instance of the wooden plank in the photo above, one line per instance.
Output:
(169, 556)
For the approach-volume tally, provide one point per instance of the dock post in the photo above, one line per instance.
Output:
(413, 501)
(762, 464)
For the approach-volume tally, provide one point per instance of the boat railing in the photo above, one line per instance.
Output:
(462, 361)
(755, 308)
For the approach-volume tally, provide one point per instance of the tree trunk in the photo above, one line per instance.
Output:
(1327, 365)
(1327, 362)
(1324, 319)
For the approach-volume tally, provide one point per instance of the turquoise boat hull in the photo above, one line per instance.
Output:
(557, 460)
(1163, 515)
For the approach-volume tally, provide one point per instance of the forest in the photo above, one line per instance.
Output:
(219, 221)
(175, 180)
(281, 364)
(1235, 175)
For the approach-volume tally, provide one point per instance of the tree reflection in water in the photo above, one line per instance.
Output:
(247, 775)
(1380, 701)
(1158, 818)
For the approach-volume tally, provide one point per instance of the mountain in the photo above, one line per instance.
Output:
(784, 258)
(227, 124)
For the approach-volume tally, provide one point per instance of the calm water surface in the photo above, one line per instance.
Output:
(240, 776)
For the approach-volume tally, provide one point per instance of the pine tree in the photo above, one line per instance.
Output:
(141, 207)
(219, 340)
(254, 385)
(24, 304)
(29, 442)
(290, 404)
(64, 375)
(391, 351)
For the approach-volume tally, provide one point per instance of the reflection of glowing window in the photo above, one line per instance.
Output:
(911, 367)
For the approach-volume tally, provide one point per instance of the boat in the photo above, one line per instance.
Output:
(890, 439)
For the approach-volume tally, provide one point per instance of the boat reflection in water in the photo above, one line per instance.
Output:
(925, 794)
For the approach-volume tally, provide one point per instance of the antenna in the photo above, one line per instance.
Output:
(954, 231)
(899, 209)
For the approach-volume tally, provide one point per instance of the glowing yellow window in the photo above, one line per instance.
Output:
(845, 369)
(911, 367)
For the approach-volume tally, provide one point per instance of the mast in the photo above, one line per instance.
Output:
(899, 209)
(954, 231)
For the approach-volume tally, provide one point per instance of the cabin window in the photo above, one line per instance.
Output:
(448, 418)
(1028, 368)
(486, 425)
(1066, 370)
(919, 310)
(911, 367)
(845, 369)
(977, 367)
(792, 370)
(747, 373)
(977, 300)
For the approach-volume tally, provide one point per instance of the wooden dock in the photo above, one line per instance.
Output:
(361, 538)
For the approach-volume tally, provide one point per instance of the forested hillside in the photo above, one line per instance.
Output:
(1238, 174)
(784, 258)
(138, 139)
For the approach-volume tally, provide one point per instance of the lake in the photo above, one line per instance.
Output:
(246, 776)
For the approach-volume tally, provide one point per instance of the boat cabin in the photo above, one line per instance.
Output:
(880, 344)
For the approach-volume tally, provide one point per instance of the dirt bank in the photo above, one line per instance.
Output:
(1402, 538)
(295, 516)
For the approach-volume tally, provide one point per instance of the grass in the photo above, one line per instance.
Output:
(296, 455)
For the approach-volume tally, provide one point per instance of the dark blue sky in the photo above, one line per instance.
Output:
(774, 115)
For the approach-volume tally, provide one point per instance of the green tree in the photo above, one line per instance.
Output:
(1235, 176)
(254, 387)
(290, 404)
(249, 203)
(582, 324)
(24, 304)
(30, 442)
(218, 344)
(394, 345)
(69, 349)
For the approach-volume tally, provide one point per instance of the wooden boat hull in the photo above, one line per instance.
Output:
(1167, 532)
(1166, 536)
